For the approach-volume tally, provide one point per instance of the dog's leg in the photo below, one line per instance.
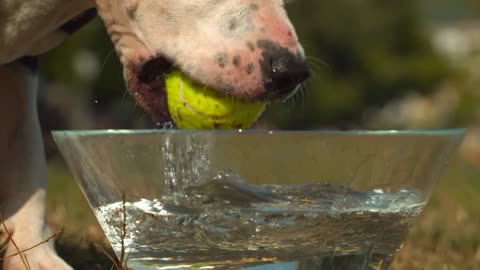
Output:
(23, 170)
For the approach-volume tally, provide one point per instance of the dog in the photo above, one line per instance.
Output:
(247, 48)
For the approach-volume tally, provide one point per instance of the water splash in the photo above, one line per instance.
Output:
(186, 161)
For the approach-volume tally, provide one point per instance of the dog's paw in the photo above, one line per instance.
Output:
(36, 260)
(35, 254)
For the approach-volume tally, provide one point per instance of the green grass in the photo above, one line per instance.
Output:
(446, 236)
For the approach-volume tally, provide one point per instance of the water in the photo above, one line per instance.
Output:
(226, 223)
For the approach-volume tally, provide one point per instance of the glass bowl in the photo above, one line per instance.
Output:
(257, 199)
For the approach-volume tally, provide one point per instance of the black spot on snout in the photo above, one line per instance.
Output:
(233, 24)
(250, 46)
(282, 70)
(237, 22)
(78, 22)
(237, 61)
(250, 68)
(221, 59)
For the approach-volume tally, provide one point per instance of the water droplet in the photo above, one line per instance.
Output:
(168, 125)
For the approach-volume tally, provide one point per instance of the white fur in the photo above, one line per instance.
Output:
(182, 28)
(29, 27)
(24, 171)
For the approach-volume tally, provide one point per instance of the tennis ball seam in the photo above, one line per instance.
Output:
(213, 117)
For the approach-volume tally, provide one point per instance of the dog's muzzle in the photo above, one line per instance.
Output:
(282, 72)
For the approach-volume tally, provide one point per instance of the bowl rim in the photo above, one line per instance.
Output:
(429, 132)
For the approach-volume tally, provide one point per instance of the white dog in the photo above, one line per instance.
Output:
(245, 47)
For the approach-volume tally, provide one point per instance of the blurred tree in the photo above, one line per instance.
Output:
(445, 11)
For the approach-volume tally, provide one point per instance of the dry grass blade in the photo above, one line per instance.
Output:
(122, 263)
(23, 257)
(19, 252)
(116, 265)
(124, 229)
(30, 248)
(4, 245)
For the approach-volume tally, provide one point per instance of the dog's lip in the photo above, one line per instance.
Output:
(146, 83)
(152, 72)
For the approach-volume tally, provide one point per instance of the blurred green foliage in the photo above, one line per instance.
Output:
(362, 54)
(58, 65)
(450, 10)
(373, 52)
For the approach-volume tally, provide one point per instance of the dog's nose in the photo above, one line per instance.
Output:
(282, 72)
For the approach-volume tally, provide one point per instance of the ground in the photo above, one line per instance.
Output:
(446, 236)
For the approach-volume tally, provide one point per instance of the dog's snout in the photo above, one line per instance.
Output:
(287, 72)
(282, 72)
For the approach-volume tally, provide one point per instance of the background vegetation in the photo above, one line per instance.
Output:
(376, 64)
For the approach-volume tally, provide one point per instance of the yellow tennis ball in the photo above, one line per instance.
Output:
(194, 106)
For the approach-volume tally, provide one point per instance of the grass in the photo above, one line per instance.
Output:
(446, 236)
(82, 243)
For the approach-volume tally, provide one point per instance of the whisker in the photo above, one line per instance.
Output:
(315, 74)
(316, 60)
(315, 70)
(125, 95)
(106, 60)
(305, 43)
(303, 89)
